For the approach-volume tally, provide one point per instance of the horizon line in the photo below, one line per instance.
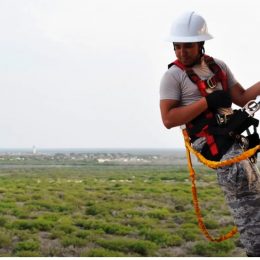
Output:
(90, 148)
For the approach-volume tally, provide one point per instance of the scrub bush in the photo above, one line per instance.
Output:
(161, 237)
(128, 245)
(5, 239)
(29, 245)
(101, 252)
(213, 248)
(159, 213)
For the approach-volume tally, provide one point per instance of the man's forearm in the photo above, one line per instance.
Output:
(181, 115)
(252, 92)
(240, 96)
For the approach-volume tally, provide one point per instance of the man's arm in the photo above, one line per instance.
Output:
(175, 115)
(240, 96)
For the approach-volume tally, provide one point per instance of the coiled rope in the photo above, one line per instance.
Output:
(214, 165)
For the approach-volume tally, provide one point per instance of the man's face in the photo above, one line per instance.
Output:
(187, 53)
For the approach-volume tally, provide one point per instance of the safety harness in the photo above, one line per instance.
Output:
(220, 131)
(229, 130)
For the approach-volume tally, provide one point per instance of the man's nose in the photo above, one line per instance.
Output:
(183, 50)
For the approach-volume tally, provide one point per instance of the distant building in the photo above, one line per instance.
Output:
(34, 151)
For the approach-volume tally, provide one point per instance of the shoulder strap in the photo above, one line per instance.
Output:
(218, 72)
(178, 64)
(192, 76)
(206, 116)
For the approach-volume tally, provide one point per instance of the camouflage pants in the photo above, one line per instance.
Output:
(240, 183)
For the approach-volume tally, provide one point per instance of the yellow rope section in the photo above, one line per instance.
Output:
(214, 165)
(197, 207)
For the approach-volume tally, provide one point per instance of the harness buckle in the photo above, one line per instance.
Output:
(221, 119)
(211, 84)
(252, 106)
(244, 142)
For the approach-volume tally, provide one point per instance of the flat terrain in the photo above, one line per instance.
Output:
(110, 210)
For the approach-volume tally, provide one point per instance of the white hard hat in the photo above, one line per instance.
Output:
(189, 27)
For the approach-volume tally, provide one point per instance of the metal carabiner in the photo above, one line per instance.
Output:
(210, 83)
(252, 106)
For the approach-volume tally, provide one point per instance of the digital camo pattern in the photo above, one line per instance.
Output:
(240, 183)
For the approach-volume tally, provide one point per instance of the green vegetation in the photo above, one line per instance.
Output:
(110, 210)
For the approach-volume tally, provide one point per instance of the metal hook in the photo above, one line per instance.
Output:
(252, 106)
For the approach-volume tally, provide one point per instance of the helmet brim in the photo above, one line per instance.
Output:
(197, 38)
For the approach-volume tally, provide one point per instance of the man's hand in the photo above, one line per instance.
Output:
(217, 99)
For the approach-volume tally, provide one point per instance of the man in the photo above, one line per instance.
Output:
(197, 90)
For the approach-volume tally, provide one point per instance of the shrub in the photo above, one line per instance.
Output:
(109, 228)
(50, 217)
(23, 235)
(188, 231)
(139, 222)
(38, 224)
(5, 239)
(57, 234)
(27, 253)
(74, 241)
(49, 205)
(20, 213)
(213, 249)
(23, 224)
(3, 221)
(101, 252)
(7, 204)
(159, 213)
(29, 245)
(188, 234)
(211, 224)
(66, 228)
(185, 217)
(94, 210)
(176, 240)
(116, 229)
(83, 234)
(161, 237)
(130, 213)
(126, 245)
(43, 225)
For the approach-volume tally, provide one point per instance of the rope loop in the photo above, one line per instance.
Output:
(213, 165)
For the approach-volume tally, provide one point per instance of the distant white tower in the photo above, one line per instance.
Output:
(34, 149)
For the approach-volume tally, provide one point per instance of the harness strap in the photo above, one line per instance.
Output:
(209, 139)
(201, 84)
(219, 76)
(218, 72)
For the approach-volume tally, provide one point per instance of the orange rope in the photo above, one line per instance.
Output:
(214, 165)
(197, 208)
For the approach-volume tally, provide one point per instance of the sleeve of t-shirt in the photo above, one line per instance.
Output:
(170, 87)
(231, 79)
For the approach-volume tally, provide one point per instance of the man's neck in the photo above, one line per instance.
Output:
(196, 62)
